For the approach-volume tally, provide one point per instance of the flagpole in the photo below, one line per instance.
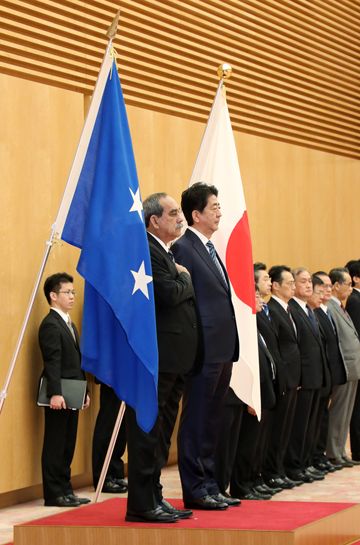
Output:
(110, 450)
(56, 227)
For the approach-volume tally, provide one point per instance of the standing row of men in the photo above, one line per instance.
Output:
(198, 341)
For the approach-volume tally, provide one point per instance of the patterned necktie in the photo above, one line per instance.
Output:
(266, 310)
(171, 255)
(213, 256)
(312, 319)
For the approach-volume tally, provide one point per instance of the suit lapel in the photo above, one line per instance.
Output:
(66, 329)
(302, 314)
(205, 256)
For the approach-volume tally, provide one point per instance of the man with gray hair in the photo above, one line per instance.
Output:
(177, 336)
(343, 399)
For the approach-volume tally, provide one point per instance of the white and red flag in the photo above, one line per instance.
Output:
(217, 164)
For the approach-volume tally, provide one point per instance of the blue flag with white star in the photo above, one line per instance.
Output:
(105, 220)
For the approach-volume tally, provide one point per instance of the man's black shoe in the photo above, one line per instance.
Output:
(62, 501)
(155, 515)
(263, 489)
(300, 476)
(207, 503)
(121, 482)
(181, 513)
(293, 482)
(275, 482)
(313, 476)
(316, 472)
(323, 467)
(221, 498)
(336, 463)
(82, 501)
(110, 486)
(351, 461)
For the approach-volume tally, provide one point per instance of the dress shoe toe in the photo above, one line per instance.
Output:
(221, 498)
(206, 503)
(113, 487)
(62, 501)
(154, 515)
(82, 501)
(168, 508)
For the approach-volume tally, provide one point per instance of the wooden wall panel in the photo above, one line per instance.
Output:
(296, 63)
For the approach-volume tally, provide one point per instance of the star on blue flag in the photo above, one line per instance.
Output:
(106, 221)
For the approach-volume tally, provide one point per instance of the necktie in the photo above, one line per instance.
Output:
(270, 358)
(171, 255)
(266, 310)
(70, 326)
(330, 318)
(291, 320)
(213, 256)
(312, 319)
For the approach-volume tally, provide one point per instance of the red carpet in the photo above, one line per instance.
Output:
(251, 515)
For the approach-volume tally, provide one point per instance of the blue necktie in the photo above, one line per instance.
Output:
(312, 319)
(213, 256)
(266, 310)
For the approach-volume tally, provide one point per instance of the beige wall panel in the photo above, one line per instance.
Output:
(40, 127)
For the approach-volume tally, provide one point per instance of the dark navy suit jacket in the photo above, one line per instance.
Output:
(213, 299)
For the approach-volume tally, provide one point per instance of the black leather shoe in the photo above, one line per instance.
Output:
(221, 498)
(111, 486)
(275, 482)
(62, 501)
(322, 466)
(336, 463)
(316, 472)
(155, 515)
(300, 476)
(251, 496)
(353, 462)
(316, 476)
(292, 482)
(207, 503)
(82, 501)
(121, 482)
(181, 513)
(264, 489)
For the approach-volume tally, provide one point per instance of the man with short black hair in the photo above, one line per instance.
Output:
(205, 393)
(59, 344)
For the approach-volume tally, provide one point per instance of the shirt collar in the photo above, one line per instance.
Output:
(280, 301)
(166, 248)
(64, 315)
(202, 237)
(301, 303)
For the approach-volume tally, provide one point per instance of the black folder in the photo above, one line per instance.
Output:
(73, 391)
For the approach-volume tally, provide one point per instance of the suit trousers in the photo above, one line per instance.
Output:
(303, 429)
(355, 427)
(105, 422)
(249, 454)
(228, 440)
(58, 451)
(147, 452)
(340, 411)
(201, 420)
(282, 422)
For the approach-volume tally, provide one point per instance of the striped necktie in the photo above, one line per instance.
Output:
(214, 257)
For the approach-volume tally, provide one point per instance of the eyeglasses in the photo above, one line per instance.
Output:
(68, 292)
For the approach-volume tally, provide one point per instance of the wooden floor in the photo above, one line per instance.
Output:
(341, 486)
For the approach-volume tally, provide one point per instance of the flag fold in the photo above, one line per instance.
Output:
(105, 220)
(217, 164)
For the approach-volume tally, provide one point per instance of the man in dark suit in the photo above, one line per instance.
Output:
(301, 444)
(252, 441)
(205, 393)
(336, 368)
(59, 344)
(353, 309)
(177, 336)
(282, 290)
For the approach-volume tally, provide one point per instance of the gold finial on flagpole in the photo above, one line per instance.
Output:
(111, 33)
(224, 71)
